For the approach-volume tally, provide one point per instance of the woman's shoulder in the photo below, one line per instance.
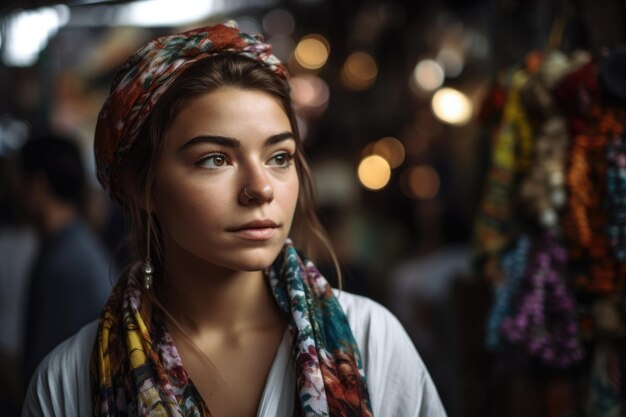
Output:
(397, 378)
(60, 385)
(365, 314)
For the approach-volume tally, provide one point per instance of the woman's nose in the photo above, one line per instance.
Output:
(257, 188)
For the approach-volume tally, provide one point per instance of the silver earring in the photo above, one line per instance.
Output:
(147, 266)
(147, 274)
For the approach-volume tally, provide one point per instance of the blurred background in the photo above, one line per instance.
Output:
(470, 167)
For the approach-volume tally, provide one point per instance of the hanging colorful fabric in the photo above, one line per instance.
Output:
(513, 267)
(586, 221)
(495, 225)
(544, 323)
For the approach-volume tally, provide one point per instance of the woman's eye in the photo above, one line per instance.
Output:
(213, 161)
(281, 160)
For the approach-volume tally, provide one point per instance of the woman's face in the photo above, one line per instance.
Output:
(226, 183)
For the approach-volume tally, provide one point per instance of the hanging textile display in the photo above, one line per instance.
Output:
(495, 227)
(551, 231)
(592, 223)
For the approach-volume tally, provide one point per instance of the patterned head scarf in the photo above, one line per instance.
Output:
(148, 73)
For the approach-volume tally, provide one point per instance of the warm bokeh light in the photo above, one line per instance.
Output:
(451, 106)
(421, 182)
(312, 51)
(309, 91)
(391, 149)
(374, 172)
(428, 75)
(451, 61)
(359, 71)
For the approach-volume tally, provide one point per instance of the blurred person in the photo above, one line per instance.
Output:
(69, 281)
(219, 313)
(18, 246)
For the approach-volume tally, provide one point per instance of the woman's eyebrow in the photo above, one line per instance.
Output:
(216, 140)
(232, 142)
(274, 139)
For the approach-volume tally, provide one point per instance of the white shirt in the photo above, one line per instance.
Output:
(398, 382)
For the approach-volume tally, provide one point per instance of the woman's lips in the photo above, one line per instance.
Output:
(256, 233)
(256, 230)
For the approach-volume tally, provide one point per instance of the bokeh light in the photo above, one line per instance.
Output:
(421, 182)
(309, 91)
(391, 149)
(27, 33)
(428, 75)
(278, 22)
(282, 46)
(312, 51)
(150, 13)
(335, 184)
(451, 61)
(359, 71)
(303, 127)
(248, 24)
(451, 106)
(374, 172)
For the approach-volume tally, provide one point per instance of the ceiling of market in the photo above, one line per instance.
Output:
(6, 6)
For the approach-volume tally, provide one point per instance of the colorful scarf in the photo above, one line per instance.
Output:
(136, 369)
(148, 74)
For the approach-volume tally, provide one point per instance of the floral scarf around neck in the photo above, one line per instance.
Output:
(136, 369)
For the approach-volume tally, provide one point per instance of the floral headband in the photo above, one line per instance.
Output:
(148, 74)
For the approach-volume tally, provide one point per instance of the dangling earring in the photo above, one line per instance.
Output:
(147, 274)
(147, 266)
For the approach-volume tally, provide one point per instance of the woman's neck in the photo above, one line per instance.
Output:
(206, 297)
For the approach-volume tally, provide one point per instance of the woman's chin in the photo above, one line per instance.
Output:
(255, 260)
(256, 265)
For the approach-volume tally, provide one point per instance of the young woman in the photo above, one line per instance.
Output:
(220, 315)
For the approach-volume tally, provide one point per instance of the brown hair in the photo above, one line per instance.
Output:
(138, 168)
